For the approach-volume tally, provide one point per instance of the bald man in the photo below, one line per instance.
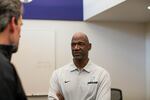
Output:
(81, 79)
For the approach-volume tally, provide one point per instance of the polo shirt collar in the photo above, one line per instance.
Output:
(87, 68)
(73, 67)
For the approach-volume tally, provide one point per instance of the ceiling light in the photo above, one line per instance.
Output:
(148, 7)
(26, 1)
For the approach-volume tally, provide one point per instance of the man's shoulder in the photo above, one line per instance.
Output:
(101, 72)
(64, 68)
(99, 68)
(6, 68)
(62, 71)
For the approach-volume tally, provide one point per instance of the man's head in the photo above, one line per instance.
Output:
(10, 22)
(80, 46)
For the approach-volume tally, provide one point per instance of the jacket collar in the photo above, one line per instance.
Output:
(6, 50)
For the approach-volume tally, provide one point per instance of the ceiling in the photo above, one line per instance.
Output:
(128, 11)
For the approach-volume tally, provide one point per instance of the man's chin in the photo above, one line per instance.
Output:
(78, 57)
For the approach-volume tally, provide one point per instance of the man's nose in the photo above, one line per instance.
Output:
(76, 47)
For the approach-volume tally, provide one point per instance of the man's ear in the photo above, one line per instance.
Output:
(90, 46)
(12, 24)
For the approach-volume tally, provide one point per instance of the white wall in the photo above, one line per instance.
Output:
(148, 61)
(94, 7)
(118, 47)
(36, 53)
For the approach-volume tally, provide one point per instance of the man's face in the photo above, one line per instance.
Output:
(80, 47)
(16, 35)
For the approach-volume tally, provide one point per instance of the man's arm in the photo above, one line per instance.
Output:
(60, 96)
(104, 90)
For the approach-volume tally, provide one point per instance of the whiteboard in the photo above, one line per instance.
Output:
(35, 59)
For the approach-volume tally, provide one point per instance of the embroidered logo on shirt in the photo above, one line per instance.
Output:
(93, 82)
(66, 81)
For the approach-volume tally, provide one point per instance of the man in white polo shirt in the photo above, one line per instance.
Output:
(81, 79)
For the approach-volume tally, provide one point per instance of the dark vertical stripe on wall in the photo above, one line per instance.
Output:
(54, 10)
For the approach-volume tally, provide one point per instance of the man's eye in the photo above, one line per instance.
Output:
(72, 44)
(81, 44)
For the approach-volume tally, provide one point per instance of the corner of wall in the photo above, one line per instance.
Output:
(148, 61)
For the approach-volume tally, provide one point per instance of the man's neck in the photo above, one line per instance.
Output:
(80, 63)
(4, 39)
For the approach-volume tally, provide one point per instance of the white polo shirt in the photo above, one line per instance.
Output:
(90, 83)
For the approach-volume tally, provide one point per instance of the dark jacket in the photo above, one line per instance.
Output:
(10, 85)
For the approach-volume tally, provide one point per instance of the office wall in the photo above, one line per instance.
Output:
(35, 60)
(118, 47)
(148, 61)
